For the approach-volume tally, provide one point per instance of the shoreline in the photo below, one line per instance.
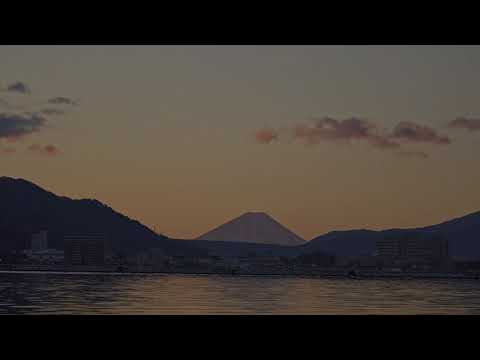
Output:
(320, 274)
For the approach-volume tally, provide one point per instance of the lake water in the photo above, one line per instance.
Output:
(48, 293)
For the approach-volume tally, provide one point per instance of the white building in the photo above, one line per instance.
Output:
(40, 251)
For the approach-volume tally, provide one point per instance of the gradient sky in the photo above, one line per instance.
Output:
(166, 134)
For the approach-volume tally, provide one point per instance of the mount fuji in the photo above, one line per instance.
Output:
(254, 227)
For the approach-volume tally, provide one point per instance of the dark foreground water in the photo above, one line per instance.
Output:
(44, 293)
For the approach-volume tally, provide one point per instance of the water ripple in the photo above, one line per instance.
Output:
(37, 293)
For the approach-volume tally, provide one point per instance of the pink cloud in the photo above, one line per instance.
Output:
(332, 129)
(413, 154)
(382, 142)
(409, 131)
(266, 136)
(465, 123)
(357, 129)
(329, 129)
(49, 150)
(8, 150)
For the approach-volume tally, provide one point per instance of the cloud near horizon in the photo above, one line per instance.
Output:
(409, 131)
(49, 150)
(470, 124)
(51, 111)
(266, 135)
(18, 87)
(61, 100)
(14, 126)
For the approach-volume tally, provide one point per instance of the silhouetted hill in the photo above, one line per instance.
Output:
(344, 243)
(26, 208)
(463, 235)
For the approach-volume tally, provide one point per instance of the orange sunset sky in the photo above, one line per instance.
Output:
(184, 138)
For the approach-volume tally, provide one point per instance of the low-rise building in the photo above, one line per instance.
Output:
(51, 256)
(413, 248)
(84, 249)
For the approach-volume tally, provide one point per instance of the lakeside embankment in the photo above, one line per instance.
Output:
(336, 273)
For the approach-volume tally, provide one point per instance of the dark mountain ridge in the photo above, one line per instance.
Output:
(462, 233)
(26, 208)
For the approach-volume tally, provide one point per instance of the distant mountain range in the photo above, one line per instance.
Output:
(27, 208)
(463, 235)
(254, 227)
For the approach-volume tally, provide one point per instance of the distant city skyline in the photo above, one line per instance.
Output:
(185, 138)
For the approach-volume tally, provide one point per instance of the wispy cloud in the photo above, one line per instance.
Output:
(61, 100)
(266, 136)
(413, 154)
(14, 126)
(18, 87)
(470, 124)
(329, 129)
(49, 150)
(51, 111)
(409, 131)
(382, 142)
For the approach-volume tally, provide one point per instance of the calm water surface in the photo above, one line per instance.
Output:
(43, 293)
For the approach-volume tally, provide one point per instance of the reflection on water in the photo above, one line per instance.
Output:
(37, 293)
